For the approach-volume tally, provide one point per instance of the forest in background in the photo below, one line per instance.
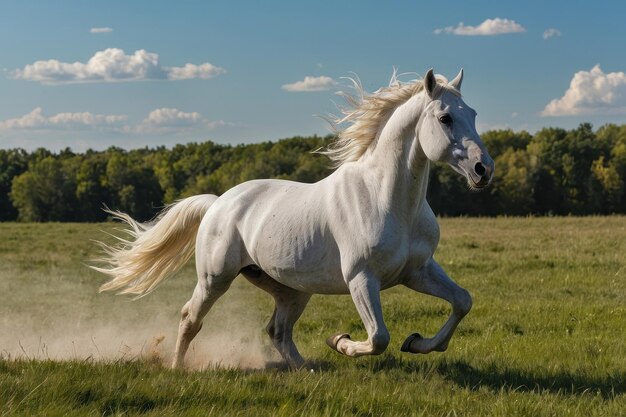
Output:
(552, 172)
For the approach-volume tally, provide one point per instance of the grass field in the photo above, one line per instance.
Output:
(546, 336)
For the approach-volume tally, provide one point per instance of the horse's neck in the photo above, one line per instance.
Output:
(397, 162)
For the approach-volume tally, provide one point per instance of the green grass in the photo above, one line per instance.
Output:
(546, 336)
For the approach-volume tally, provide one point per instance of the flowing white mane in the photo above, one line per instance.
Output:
(367, 112)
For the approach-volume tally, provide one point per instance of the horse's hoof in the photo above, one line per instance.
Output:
(334, 339)
(407, 343)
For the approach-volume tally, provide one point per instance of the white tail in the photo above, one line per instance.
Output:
(155, 251)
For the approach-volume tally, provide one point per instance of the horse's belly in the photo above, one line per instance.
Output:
(308, 277)
(306, 264)
(311, 282)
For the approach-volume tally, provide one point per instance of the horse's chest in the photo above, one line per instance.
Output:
(424, 240)
(402, 247)
(383, 249)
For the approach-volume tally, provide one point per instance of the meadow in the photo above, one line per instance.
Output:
(546, 335)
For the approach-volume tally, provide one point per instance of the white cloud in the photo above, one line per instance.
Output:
(100, 30)
(113, 65)
(166, 119)
(35, 120)
(551, 33)
(172, 117)
(591, 93)
(189, 71)
(219, 123)
(159, 121)
(489, 27)
(309, 84)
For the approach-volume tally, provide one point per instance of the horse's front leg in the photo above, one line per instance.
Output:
(432, 280)
(365, 292)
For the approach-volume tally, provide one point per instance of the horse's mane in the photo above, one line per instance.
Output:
(367, 111)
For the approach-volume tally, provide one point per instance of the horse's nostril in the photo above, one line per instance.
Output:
(480, 169)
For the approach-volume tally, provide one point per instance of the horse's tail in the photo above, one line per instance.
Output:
(155, 250)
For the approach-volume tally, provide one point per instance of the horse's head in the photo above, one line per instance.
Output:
(447, 131)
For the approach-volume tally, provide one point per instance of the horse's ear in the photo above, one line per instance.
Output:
(456, 83)
(430, 83)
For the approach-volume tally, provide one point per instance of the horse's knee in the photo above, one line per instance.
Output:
(462, 302)
(380, 341)
(189, 325)
(279, 333)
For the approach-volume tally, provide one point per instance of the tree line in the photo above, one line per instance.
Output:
(553, 172)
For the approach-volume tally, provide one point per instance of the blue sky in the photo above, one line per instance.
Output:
(134, 73)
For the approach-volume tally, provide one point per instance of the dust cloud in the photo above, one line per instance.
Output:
(228, 338)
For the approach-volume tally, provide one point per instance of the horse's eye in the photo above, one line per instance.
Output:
(445, 119)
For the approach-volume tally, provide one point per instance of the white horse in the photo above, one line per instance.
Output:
(365, 228)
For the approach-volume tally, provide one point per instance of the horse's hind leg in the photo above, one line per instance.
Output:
(289, 307)
(431, 279)
(204, 296)
(217, 265)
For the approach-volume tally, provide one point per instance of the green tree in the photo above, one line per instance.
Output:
(515, 181)
(45, 192)
(498, 142)
(548, 146)
(132, 184)
(610, 189)
(91, 191)
(13, 162)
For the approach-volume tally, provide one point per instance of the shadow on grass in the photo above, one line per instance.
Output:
(282, 366)
(560, 382)
(497, 378)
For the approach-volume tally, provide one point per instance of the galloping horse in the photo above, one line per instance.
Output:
(364, 228)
